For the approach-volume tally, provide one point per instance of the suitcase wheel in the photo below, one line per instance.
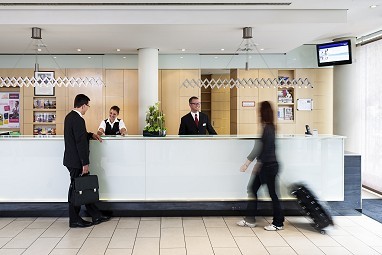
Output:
(323, 232)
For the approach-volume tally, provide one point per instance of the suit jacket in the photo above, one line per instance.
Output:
(188, 125)
(76, 139)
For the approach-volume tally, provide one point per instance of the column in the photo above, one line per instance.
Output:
(147, 82)
(347, 108)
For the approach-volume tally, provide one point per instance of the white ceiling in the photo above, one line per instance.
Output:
(199, 28)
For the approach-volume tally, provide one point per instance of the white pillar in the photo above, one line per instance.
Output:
(147, 82)
(347, 108)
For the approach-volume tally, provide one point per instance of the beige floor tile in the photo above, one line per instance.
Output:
(237, 230)
(64, 252)
(192, 218)
(241, 231)
(173, 251)
(281, 251)
(337, 231)
(150, 218)
(221, 238)
(354, 245)
(270, 238)
(94, 246)
(214, 222)
(247, 245)
(344, 221)
(57, 229)
(42, 246)
(194, 228)
(119, 251)
(378, 249)
(146, 246)
(335, 251)
(198, 246)
(42, 223)
(364, 235)
(4, 240)
(123, 238)
(302, 245)
(322, 240)
(24, 239)
(172, 238)
(5, 221)
(171, 222)
(131, 222)
(227, 251)
(74, 238)
(105, 229)
(11, 251)
(290, 229)
(26, 219)
(14, 228)
(149, 228)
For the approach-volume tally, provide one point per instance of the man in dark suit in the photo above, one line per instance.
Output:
(76, 159)
(195, 122)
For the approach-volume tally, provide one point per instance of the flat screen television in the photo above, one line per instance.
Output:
(334, 53)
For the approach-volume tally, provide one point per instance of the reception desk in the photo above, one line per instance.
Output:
(172, 168)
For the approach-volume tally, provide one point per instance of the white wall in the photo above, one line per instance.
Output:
(370, 84)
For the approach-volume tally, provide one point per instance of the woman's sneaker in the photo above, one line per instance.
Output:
(244, 223)
(273, 228)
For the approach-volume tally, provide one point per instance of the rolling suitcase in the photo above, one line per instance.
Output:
(311, 207)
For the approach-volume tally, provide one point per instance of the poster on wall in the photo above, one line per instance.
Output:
(9, 110)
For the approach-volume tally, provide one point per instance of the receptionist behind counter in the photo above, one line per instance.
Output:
(112, 125)
(195, 122)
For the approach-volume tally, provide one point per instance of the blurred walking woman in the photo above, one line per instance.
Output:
(265, 171)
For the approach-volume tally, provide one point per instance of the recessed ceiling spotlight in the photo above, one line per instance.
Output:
(38, 49)
(181, 57)
(89, 57)
(373, 6)
(183, 49)
(78, 50)
(123, 57)
(118, 50)
(261, 49)
(54, 57)
(215, 57)
(222, 49)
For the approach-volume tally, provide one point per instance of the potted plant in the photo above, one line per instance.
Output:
(155, 122)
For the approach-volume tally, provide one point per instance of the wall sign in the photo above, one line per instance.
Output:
(248, 103)
(304, 104)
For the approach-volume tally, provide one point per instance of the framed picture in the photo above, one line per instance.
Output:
(44, 87)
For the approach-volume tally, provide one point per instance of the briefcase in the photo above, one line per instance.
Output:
(86, 190)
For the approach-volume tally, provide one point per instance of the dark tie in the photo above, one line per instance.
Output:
(196, 120)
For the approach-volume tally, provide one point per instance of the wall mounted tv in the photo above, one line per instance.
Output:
(334, 53)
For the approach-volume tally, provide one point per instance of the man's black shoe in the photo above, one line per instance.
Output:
(80, 224)
(101, 219)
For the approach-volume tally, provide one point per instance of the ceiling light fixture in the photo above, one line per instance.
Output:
(46, 81)
(247, 45)
(373, 6)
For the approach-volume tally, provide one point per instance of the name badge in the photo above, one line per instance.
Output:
(204, 124)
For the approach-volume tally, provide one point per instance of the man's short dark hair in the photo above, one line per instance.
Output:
(192, 98)
(80, 100)
(115, 108)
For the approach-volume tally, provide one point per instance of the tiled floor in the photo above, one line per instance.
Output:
(188, 235)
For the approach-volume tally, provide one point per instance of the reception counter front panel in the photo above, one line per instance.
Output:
(169, 168)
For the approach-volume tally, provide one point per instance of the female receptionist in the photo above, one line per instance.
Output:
(112, 125)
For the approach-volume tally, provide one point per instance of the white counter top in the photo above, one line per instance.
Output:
(173, 137)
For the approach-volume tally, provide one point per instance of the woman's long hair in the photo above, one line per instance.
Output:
(266, 113)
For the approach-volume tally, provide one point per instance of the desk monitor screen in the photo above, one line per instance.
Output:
(334, 53)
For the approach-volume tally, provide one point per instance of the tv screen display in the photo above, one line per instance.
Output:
(334, 53)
